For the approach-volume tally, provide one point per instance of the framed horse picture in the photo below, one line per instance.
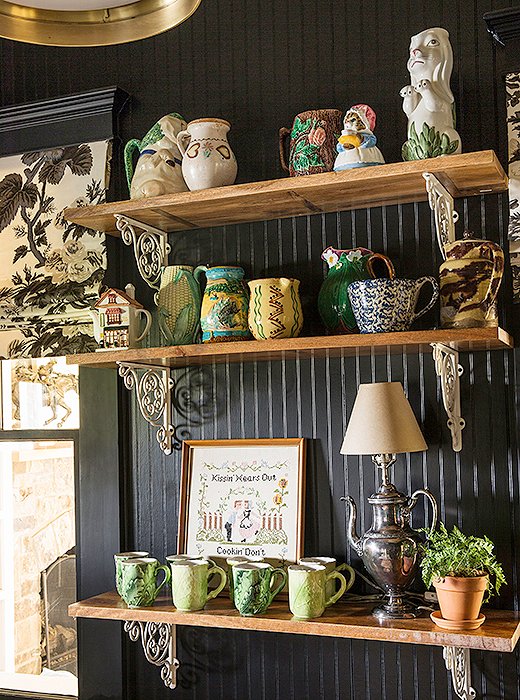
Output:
(243, 498)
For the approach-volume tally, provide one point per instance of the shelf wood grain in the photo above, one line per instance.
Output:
(348, 620)
(466, 339)
(463, 175)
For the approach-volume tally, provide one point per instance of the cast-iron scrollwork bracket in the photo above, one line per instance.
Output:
(441, 203)
(448, 369)
(159, 644)
(150, 245)
(154, 390)
(457, 660)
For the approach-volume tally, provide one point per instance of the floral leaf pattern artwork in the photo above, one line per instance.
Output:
(513, 137)
(52, 269)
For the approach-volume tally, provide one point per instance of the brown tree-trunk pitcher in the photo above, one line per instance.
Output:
(312, 145)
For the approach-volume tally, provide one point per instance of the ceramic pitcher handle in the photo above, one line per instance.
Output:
(373, 262)
(342, 587)
(216, 571)
(148, 317)
(283, 134)
(351, 575)
(128, 154)
(283, 575)
(197, 272)
(435, 289)
(183, 136)
(496, 277)
(167, 576)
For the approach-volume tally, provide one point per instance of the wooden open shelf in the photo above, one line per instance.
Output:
(466, 339)
(463, 175)
(348, 620)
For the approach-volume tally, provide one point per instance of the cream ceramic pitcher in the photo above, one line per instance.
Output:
(275, 309)
(207, 159)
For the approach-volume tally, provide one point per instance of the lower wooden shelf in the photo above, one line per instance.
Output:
(461, 339)
(348, 620)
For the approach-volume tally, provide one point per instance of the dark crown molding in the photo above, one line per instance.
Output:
(60, 121)
(503, 25)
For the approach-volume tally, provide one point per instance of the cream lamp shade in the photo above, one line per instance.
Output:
(90, 22)
(382, 422)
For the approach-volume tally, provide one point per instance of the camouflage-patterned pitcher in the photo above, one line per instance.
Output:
(470, 278)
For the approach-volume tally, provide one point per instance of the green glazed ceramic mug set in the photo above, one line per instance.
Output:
(253, 582)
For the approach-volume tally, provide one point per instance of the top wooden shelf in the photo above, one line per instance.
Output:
(462, 175)
(347, 620)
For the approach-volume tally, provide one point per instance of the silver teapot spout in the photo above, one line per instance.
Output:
(354, 539)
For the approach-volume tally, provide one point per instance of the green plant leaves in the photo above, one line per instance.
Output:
(430, 143)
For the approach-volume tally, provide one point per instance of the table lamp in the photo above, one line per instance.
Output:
(382, 424)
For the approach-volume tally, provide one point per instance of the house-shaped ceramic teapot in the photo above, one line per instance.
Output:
(116, 317)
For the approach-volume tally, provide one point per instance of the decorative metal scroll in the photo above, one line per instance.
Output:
(441, 203)
(150, 245)
(153, 386)
(158, 640)
(448, 369)
(458, 661)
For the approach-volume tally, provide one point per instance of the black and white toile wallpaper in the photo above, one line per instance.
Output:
(50, 270)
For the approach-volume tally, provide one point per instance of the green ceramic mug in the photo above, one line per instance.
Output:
(190, 583)
(307, 586)
(330, 565)
(233, 561)
(254, 586)
(139, 581)
(123, 556)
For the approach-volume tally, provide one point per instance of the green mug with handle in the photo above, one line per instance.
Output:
(307, 589)
(254, 587)
(139, 581)
(190, 583)
(330, 565)
(121, 557)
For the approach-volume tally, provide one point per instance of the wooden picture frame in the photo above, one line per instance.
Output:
(255, 506)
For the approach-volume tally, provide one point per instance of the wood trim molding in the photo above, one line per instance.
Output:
(503, 25)
(59, 121)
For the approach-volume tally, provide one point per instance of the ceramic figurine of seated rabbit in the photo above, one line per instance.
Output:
(158, 169)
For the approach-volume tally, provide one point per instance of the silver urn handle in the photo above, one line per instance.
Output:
(405, 512)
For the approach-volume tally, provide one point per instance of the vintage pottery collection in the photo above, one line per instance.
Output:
(224, 305)
(179, 300)
(330, 565)
(139, 586)
(190, 583)
(383, 306)
(275, 309)
(254, 586)
(117, 319)
(312, 143)
(207, 158)
(307, 589)
(428, 100)
(119, 558)
(470, 278)
(346, 266)
(158, 169)
(356, 145)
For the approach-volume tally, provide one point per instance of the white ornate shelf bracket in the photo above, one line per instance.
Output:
(150, 245)
(449, 370)
(159, 644)
(153, 386)
(441, 203)
(457, 660)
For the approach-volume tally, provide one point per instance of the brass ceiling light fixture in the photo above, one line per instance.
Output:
(90, 22)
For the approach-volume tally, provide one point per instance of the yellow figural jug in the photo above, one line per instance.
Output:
(275, 309)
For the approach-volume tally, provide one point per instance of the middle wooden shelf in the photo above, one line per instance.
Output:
(461, 339)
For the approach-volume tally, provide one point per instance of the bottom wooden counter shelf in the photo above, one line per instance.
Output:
(350, 620)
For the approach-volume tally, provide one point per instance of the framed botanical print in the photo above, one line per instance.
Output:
(243, 497)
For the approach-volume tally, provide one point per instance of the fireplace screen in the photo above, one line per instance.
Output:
(59, 630)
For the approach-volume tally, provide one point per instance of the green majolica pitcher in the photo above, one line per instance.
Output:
(178, 301)
(345, 267)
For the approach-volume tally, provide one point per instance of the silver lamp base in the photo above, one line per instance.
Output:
(397, 608)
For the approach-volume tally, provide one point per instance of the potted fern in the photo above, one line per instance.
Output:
(464, 572)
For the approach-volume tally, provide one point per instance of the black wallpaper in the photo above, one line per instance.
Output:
(258, 64)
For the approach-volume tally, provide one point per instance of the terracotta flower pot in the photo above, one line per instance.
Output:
(461, 598)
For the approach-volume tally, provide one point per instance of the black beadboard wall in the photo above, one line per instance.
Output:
(258, 63)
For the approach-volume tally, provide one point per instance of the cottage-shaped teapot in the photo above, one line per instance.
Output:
(116, 316)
